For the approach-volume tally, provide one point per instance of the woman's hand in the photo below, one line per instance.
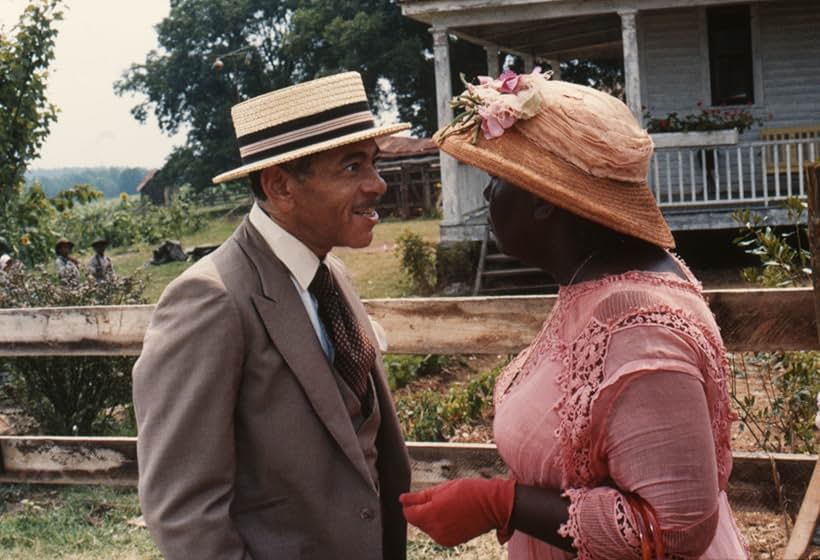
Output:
(459, 510)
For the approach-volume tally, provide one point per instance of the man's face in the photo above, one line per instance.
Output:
(333, 205)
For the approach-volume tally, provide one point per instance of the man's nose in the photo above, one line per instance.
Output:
(375, 184)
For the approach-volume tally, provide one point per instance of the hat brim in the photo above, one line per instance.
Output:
(625, 207)
(247, 169)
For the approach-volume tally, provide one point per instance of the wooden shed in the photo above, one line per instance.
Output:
(410, 167)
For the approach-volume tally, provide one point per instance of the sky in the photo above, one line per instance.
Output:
(97, 41)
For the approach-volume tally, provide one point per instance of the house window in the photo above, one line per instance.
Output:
(730, 55)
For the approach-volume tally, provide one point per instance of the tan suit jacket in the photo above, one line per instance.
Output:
(246, 450)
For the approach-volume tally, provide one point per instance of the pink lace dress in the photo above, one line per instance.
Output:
(624, 389)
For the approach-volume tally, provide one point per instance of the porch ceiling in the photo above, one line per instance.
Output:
(562, 38)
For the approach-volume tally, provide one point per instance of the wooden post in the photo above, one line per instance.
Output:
(806, 521)
(813, 176)
(555, 64)
(444, 84)
(529, 62)
(492, 60)
(632, 74)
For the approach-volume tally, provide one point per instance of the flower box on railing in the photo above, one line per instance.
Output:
(695, 138)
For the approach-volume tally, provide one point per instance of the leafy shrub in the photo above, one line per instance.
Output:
(129, 220)
(69, 395)
(783, 418)
(405, 369)
(455, 262)
(784, 260)
(433, 416)
(418, 261)
(429, 266)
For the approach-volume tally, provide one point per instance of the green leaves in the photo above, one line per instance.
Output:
(25, 113)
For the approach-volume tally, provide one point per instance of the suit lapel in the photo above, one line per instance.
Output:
(289, 328)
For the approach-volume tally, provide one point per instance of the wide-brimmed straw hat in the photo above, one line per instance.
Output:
(301, 120)
(99, 241)
(63, 241)
(573, 146)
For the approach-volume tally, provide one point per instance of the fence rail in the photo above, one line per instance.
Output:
(750, 173)
(757, 320)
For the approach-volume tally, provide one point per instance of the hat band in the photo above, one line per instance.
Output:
(299, 133)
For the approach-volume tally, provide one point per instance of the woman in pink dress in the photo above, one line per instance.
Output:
(615, 421)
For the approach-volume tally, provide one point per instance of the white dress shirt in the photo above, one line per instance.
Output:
(301, 262)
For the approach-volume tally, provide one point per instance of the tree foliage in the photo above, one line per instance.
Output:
(263, 45)
(26, 51)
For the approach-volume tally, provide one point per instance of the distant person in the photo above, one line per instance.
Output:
(99, 266)
(266, 427)
(68, 268)
(5, 254)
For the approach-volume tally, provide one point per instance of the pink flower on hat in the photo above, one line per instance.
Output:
(496, 104)
(495, 119)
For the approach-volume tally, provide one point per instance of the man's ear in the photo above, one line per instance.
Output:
(277, 185)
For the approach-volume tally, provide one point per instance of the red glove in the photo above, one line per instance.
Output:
(459, 510)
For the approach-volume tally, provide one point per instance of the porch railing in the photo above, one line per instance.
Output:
(749, 173)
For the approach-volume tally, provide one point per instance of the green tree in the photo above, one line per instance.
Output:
(214, 53)
(26, 51)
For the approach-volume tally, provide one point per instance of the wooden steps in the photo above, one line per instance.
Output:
(501, 274)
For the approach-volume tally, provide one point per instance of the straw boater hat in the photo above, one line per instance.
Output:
(301, 120)
(573, 146)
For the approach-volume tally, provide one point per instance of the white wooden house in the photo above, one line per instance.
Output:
(762, 56)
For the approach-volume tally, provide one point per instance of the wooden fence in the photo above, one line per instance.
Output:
(749, 319)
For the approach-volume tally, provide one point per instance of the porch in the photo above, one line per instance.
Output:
(700, 187)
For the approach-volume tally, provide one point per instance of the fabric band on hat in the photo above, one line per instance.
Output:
(298, 133)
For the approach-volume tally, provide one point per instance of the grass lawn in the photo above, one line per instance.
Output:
(82, 523)
(375, 269)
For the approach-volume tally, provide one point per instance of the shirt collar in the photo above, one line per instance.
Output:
(295, 255)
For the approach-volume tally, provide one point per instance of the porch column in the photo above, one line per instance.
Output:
(492, 60)
(529, 62)
(444, 87)
(556, 68)
(451, 207)
(632, 74)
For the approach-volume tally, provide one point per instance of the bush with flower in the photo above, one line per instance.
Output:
(704, 120)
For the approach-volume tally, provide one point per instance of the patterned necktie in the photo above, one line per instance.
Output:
(355, 355)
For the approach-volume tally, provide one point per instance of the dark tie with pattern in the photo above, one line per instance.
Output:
(355, 355)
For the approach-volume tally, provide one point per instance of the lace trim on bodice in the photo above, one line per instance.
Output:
(583, 373)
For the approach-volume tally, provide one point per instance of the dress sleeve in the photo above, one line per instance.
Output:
(653, 438)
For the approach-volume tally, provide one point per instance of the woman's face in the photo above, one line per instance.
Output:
(518, 220)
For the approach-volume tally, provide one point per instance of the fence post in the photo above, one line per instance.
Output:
(813, 230)
(806, 522)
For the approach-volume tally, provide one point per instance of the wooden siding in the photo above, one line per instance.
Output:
(671, 66)
(674, 61)
(790, 38)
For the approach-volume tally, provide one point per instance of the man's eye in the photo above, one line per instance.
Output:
(352, 167)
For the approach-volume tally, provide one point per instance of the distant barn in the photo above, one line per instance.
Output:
(410, 167)
(152, 189)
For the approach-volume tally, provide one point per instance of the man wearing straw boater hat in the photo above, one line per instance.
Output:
(266, 428)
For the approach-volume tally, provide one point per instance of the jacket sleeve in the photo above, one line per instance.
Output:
(186, 383)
